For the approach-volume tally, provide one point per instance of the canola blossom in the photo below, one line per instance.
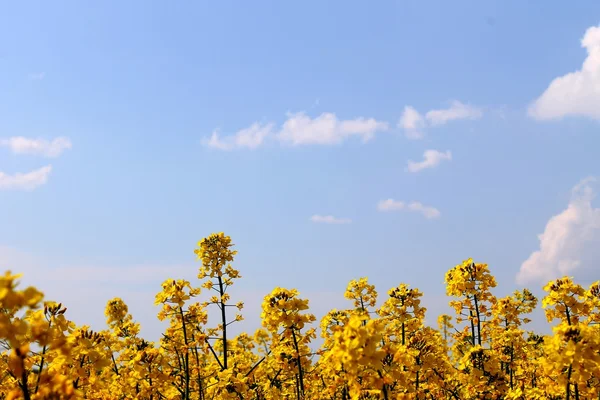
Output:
(483, 351)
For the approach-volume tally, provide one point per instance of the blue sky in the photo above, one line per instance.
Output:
(315, 110)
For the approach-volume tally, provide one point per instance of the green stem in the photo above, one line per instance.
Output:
(300, 372)
(568, 389)
(478, 315)
(223, 321)
(37, 383)
(186, 364)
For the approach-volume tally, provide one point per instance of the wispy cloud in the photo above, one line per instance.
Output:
(395, 205)
(412, 122)
(570, 242)
(249, 138)
(327, 129)
(25, 181)
(428, 212)
(431, 159)
(576, 93)
(329, 219)
(37, 76)
(42, 147)
(391, 205)
(456, 111)
(415, 124)
(300, 129)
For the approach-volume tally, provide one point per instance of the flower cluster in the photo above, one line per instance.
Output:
(367, 352)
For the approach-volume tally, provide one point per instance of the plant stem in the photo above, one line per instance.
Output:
(223, 321)
(186, 364)
(300, 372)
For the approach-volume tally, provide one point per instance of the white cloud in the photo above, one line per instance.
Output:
(327, 129)
(300, 129)
(570, 242)
(37, 76)
(23, 145)
(576, 93)
(217, 143)
(395, 205)
(412, 122)
(431, 159)
(428, 212)
(390, 205)
(25, 181)
(329, 219)
(249, 138)
(457, 110)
